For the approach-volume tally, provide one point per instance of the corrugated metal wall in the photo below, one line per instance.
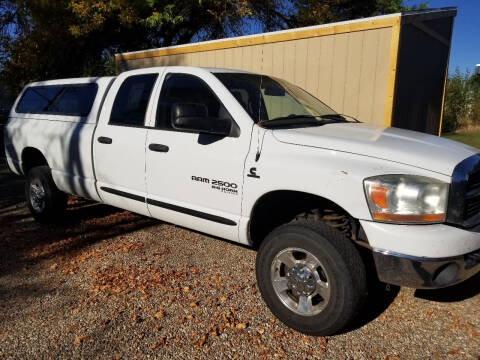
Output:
(347, 71)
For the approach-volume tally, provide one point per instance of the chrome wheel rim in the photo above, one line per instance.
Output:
(37, 195)
(300, 281)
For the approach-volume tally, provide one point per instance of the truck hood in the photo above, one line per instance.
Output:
(404, 146)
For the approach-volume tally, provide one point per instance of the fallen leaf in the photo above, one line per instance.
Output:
(193, 304)
(53, 267)
(82, 339)
(324, 341)
(159, 315)
(241, 326)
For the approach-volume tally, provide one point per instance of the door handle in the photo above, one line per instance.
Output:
(104, 140)
(158, 147)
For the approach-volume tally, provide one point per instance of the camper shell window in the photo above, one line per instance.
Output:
(68, 99)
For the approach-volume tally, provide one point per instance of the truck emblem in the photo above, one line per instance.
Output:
(253, 173)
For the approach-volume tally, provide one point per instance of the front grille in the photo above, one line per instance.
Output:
(472, 196)
(472, 206)
(474, 182)
(464, 199)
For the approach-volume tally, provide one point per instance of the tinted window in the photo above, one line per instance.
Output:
(266, 98)
(185, 88)
(246, 89)
(75, 100)
(132, 100)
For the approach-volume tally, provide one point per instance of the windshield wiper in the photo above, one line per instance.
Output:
(291, 120)
(314, 120)
(337, 117)
(340, 117)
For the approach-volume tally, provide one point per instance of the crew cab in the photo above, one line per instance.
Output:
(259, 161)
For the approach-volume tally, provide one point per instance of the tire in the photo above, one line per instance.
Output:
(44, 200)
(326, 256)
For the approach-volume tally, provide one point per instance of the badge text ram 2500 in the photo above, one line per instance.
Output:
(259, 161)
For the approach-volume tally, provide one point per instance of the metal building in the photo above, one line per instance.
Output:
(386, 70)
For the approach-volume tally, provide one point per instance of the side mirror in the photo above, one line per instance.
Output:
(194, 117)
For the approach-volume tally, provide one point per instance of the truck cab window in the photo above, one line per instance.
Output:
(185, 88)
(132, 99)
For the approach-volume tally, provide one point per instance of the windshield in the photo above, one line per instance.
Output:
(274, 102)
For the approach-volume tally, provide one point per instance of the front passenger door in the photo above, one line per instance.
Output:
(194, 179)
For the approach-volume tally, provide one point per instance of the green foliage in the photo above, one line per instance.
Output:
(67, 38)
(462, 102)
(311, 12)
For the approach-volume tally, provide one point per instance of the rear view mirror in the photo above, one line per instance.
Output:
(194, 117)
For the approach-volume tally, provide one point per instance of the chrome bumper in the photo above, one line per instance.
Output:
(425, 273)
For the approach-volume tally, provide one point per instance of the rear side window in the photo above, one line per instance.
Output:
(71, 99)
(132, 99)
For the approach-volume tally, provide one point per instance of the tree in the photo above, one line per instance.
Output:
(312, 12)
(68, 38)
(63, 38)
(462, 101)
(474, 86)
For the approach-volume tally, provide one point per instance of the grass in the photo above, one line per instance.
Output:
(469, 138)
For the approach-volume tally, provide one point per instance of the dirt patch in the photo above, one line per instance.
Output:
(107, 283)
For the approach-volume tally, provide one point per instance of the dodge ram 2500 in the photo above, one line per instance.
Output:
(257, 160)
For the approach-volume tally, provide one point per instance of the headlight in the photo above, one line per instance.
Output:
(406, 198)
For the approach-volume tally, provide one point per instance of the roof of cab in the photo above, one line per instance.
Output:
(184, 68)
(84, 80)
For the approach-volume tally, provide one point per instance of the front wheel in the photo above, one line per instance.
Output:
(311, 277)
(44, 200)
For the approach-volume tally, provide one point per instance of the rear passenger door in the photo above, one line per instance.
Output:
(119, 142)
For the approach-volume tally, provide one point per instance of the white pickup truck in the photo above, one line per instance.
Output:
(259, 161)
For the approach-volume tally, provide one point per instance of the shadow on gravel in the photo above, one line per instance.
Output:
(11, 188)
(459, 292)
(379, 297)
(24, 242)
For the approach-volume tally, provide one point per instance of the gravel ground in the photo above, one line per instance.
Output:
(111, 284)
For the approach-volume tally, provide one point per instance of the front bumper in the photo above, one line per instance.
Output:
(423, 256)
(425, 273)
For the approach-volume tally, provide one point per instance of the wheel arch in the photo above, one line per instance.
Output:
(278, 207)
(32, 157)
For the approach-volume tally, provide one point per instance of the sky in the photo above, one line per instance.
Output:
(465, 50)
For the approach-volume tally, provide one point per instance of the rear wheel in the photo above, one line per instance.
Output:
(44, 200)
(311, 276)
